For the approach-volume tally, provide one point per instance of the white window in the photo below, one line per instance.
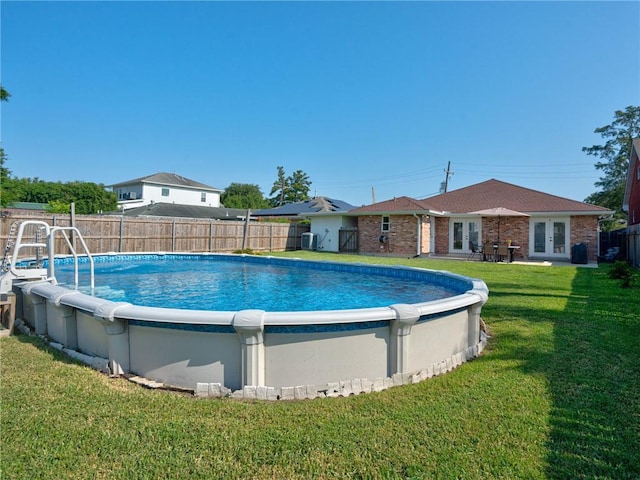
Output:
(203, 197)
(386, 223)
(165, 192)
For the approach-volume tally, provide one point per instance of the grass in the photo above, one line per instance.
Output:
(555, 395)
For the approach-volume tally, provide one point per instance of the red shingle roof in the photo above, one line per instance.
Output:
(485, 195)
(399, 204)
(494, 193)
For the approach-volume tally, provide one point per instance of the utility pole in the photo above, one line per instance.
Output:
(445, 185)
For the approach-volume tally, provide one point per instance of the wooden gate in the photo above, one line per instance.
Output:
(348, 240)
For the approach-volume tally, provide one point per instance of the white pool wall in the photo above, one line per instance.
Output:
(258, 354)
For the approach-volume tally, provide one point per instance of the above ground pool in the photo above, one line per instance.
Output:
(229, 283)
(258, 327)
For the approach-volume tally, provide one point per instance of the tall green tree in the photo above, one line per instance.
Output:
(6, 196)
(279, 188)
(243, 195)
(289, 189)
(299, 185)
(614, 155)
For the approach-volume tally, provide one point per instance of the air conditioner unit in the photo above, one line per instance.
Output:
(133, 195)
(309, 241)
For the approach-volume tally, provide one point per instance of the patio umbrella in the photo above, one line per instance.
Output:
(499, 212)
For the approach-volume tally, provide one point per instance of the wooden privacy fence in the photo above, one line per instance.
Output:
(107, 233)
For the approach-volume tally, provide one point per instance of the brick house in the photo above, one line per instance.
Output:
(543, 226)
(631, 203)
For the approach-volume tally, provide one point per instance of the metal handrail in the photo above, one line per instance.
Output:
(51, 250)
(19, 245)
(49, 245)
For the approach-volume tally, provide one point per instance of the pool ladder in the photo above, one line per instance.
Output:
(32, 238)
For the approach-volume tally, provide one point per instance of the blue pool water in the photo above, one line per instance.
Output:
(228, 283)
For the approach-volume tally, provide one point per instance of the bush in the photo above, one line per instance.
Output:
(247, 251)
(621, 270)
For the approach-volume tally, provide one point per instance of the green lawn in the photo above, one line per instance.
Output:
(556, 394)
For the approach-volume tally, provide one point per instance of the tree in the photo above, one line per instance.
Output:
(299, 185)
(615, 158)
(279, 187)
(58, 206)
(294, 188)
(243, 195)
(7, 192)
(6, 196)
(88, 197)
(4, 95)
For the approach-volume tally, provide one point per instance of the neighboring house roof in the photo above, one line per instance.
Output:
(634, 166)
(168, 179)
(183, 211)
(495, 193)
(395, 205)
(28, 206)
(297, 209)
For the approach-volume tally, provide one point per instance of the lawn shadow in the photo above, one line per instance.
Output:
(592, 366)
(594, 378)
(591, 362)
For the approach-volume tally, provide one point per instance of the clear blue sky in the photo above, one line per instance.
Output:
(355, 94)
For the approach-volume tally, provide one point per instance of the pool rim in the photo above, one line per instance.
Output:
(109, 309)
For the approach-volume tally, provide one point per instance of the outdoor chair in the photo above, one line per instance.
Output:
(487, 251)
(503, 253)
(474, 251)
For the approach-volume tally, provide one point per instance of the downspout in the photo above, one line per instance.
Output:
(419, 236)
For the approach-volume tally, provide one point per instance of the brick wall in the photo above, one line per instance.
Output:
(515, 229)
(402, 235)
(584, 229)
(442, 236)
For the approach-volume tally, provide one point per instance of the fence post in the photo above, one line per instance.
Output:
(173, 236)
(73, 224)
(121, 234)
(245, 237)
(271, 237)
(211, 236)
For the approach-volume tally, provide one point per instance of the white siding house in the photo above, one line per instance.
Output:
(165, 188)
(327, 225)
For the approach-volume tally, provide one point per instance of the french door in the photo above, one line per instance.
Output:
(461, 232)
(549, 237)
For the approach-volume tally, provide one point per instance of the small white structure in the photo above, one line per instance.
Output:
(326, 226)
(165, 188)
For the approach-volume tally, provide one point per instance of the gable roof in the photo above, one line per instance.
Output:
(183, 211)
(168, 179)
(396, 205)
(634, 164)
(314, 205)
(495, 193)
